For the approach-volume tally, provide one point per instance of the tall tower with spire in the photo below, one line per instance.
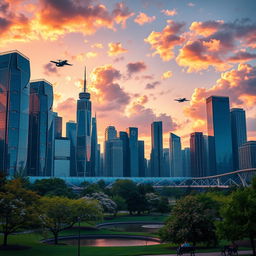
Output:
(83, 135)
(94, 149)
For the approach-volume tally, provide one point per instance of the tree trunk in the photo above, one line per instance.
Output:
(5, 239)
(253, 245)
(56, 238)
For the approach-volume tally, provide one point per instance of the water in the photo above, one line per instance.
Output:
(109, 242)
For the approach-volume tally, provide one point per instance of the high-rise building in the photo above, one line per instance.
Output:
(166, 162)
(41, 129)
(219, 132)
(156, 157)
(14, 111)
(186, 163)
(141, 153)
(238, 130)
(175, 156)
(71, 135)
(134, 151)
(57, 126)
(206, 155)
(197, 155)
(94, 150)
(247, 155)
(62, 157)
(99, 172)
(113, 154)
(123, 136)
(83, 142)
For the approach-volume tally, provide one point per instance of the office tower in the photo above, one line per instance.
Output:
(238, 131)
(186, 163)
(156, 157)
(62, 157)
(102, 165)
(219, 132)
(197, 154)
(83, 137)
(98, 159)
(41, 129)
(175, 156)
(206, 156)
(123, 136)
(94, 151)
(166, 163)
(71, 135)
(141, 153)
(57, 126)
(134, 151)
(247, 155)
(14, 112)
(113, 154)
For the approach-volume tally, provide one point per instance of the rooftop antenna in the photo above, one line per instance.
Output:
(85, 79)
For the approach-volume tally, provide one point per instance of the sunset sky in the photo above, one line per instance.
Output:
(140, 55)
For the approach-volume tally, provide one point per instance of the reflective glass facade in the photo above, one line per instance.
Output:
(94, 151)
(14, 112)
(141, 158)
(41, 129)
(219, 132)
(123, 136)
(175, 156)
(134, 151)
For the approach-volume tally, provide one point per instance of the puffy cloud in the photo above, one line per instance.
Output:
(108, 94)
(135, 67)
(67, 108)
(91, 55)
(143, 18)
(218, 44)
(50, 69)
(172, 12)
(50, 19)
(164, 42)
(238, 84)
(152, 85)
(166, 75)
(97, 45)
(116, 49)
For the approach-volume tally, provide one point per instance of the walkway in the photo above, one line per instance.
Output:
(205, 254)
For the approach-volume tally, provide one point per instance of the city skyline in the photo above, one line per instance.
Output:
(118, 54)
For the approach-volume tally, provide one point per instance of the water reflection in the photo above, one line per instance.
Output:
(108, 242)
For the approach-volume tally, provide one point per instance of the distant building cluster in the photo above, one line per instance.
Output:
(32, 143)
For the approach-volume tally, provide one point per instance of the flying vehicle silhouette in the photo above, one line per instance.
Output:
(180, 100)
(61, 63)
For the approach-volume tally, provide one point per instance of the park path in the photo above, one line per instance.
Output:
(205, 254)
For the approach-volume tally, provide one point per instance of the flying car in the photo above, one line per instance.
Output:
(180, 100)
(61, 63)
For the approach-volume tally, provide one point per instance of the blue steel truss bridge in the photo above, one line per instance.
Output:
(237, 178)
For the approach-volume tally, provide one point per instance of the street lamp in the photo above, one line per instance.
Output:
(79, 235)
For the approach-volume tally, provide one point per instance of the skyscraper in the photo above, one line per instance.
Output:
(123, 136)
(94, 151)
(238, 130)
(134, 151)
(83, 144)
(14, 111)
(41, 129)
(141, 158)
(247, 155)
(166, 162)
(219, 132)
(156, 157)
(175, 156)
(71, 135)
(186, 163)
(57, 126)
(197, 154)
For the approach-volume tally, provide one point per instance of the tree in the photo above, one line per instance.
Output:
(120, 202)
(52, 187)
(191, 220)
(18, 208)
(59, 213)
(239, 216)
(153, 201)
(124, 188)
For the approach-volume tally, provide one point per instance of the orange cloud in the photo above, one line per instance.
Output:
(97, 45)
(172, 12)
(116, 49)
(164, 42)
(166, 75)
(91, 55)
(238, 84)
(143, 18)
(206, 28)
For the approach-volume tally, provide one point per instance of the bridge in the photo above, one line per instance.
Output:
(226, 180)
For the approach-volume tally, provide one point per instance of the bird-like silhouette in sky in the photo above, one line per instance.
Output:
(180, 100)
(61, 63)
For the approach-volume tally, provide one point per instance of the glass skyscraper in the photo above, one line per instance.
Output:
(141, 158)
(14, 111)
(238, 129)
(41, 129)
(83, 144)
(156, 157)
(175, 156)
(123, 136)
(219, 132)
(134, 151)
(94, 151)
